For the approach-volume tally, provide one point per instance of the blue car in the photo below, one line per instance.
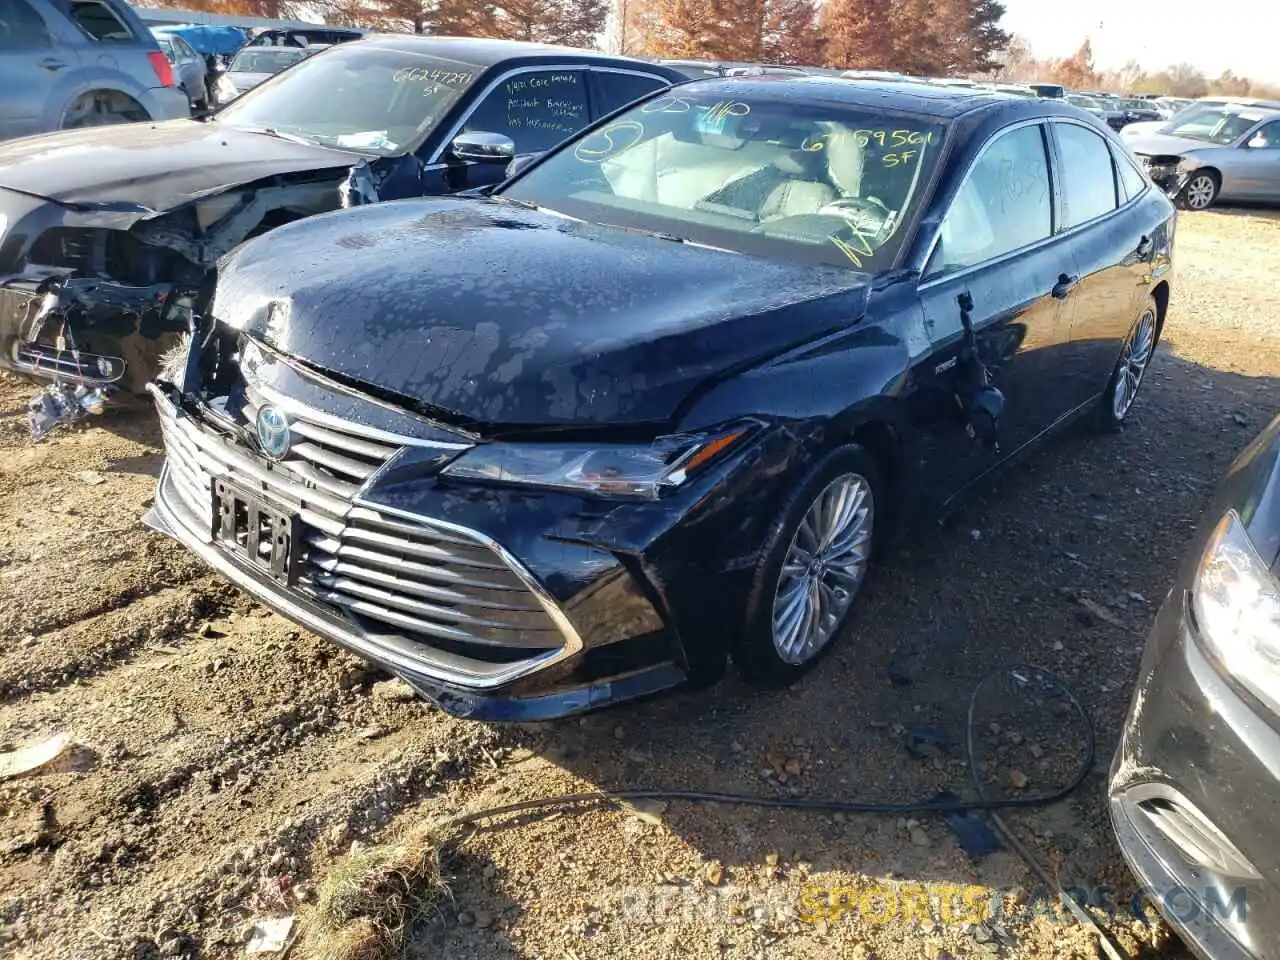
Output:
(81, 63)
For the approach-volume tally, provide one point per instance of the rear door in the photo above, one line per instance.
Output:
(1111, 254)
(613, 88)
(997, 246)
(30, 69)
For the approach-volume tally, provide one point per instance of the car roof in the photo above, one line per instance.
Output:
(483, 52)
(908, 96)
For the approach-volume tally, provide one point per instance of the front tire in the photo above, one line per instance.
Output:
(1199, 192)
(1135, 357)
(812, 567)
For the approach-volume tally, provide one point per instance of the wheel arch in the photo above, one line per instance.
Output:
(1160, 293)
(882, 428)
(103, 90)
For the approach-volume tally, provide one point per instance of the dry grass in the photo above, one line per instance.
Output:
(373, 898)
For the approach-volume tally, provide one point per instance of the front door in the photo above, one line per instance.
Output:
(995, 248)
(1257, 164)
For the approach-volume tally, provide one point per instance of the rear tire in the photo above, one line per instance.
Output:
(1130, 369)
(794, 567)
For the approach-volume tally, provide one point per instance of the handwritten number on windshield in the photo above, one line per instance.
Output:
(609, 141)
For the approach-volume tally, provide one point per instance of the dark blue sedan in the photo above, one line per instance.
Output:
(652, 404)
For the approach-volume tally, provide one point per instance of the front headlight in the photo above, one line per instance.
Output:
(1236, 603)
(610, 470)
(225, 90)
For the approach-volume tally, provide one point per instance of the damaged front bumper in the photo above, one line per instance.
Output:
(86, 331)
(491, 603)
(1167, 173)
(62, 317)
(96, 294)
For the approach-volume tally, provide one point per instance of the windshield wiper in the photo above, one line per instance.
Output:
(281, 135)
(522, 204)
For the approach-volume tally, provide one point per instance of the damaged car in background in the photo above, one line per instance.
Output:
(1221, 153)
(650, 405)
(107, 235)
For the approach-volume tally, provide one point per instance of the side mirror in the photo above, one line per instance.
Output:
(480, 147)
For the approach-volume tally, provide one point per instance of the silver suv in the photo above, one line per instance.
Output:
(78, 63)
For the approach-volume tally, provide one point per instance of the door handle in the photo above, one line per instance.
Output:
(1065, 285)
(1144, 247)
(52, 63)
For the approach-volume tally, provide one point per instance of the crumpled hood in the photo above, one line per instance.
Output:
(1161, 145)
(156, 166)
(508, 317)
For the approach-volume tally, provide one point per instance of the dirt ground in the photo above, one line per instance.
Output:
(226, 761)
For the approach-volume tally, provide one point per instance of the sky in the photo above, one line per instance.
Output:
(1239, 35)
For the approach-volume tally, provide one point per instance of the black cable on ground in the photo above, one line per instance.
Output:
(1022, 675)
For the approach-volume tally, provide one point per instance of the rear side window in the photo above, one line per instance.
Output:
(616, 90)
(21, 26)
(536, 109)
(1132, 182)
(98, 20)
(1088, 182)
(1003, 204)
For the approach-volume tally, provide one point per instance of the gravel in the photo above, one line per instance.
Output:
(224, 753)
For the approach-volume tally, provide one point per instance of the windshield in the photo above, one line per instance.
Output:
(264, 61)
(819, 183)
(1214, 125)
(364, 98)
(1087, 103)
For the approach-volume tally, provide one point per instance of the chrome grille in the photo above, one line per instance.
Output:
(418, 579)
(327, 452)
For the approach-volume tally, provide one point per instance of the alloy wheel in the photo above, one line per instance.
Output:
(1134, 358)
(823, 568)
(1200, 192)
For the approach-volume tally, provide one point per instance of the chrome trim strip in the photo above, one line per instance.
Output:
(289, 405)
(445, 668)
(573, 642)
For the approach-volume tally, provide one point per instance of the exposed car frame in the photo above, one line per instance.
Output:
(114, 255)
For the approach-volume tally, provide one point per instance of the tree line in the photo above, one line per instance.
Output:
(925, 37)
(918, 37)
(1078, 72)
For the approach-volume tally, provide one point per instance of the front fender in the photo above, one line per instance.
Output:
(836, 383)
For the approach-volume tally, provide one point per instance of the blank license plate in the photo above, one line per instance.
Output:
(259, 533)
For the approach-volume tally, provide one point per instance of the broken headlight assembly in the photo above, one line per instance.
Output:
(643, 471)
(1235, 602)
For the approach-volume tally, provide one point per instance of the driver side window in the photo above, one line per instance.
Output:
(536, 109)
(1004, 204)
(1266, 138)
